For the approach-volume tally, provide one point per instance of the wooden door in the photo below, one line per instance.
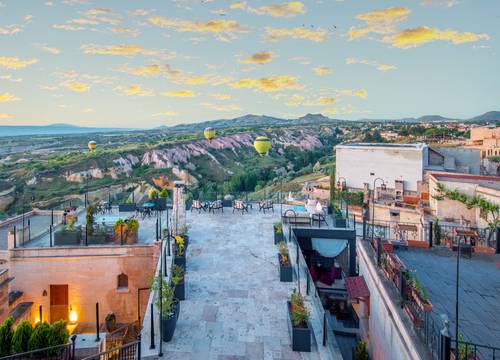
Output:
(59, 302)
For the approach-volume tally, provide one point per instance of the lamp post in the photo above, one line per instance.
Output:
(383, 187)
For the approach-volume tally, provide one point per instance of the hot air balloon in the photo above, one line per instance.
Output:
(262, 145)
(92, 145)
(209, 133)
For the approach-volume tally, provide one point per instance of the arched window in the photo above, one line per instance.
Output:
(122, 281)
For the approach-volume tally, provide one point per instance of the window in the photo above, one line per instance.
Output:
(122, 281)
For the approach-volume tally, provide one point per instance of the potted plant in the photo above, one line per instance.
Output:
(69, 234)
(420, 295)
(278, 232)
(127, 206)
(286, 270)
(180, 252)
(120, 228)
(168, 306)
(162, 203)
(98, 236)
(132, 230)
(184, 233)
(361, 351)
(298, 322)
(178, 281)
(110, 322)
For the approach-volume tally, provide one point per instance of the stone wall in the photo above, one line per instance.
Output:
(91, 275)
(179, 208)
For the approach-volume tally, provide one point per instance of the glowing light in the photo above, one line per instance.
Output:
(73, 316)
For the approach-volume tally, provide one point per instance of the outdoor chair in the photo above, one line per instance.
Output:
(198, 205)
(240, 206)
(216, 205)
(266, 205)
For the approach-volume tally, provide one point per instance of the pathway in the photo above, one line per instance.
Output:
(236, 305)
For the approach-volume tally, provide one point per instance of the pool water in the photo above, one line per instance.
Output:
(299, 208)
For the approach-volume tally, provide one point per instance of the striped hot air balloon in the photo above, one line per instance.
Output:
(209, 133)
(262, 144)
(92, 145)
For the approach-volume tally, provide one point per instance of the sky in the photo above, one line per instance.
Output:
(141, 64)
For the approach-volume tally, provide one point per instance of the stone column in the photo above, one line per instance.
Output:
(179, 208)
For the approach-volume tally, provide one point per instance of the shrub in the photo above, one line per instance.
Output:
(58, 335)
(167, 298)
(438, 232)
(21, 337)
(299, 311)
(177, 274)
(40, 338)
(164, 193)
(278, 228)
(153, 194)
(361, 351)
(6, 336)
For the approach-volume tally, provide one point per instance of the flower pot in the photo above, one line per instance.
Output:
(110, 324)
(301, 337)
(96, 239)
(186, 243)
(180, 261)
(169, 323)
(126, 207)
(286, 272)
(63, 237)
(278, 237)
(168, 326)
(179, 292)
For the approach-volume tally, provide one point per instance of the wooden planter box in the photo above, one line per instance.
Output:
(126, 207)
(286, 272)
(169, 323)
(65, 238)
(278, 237)
(301, 337)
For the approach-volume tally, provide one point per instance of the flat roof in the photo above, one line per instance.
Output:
(491, 182)
(479, 291)
(416, 146)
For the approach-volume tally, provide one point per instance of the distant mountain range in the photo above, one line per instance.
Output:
(53, 129)
(243, 121)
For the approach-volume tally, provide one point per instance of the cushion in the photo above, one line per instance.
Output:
(326, 278)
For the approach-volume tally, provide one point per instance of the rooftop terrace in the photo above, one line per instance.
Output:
(235, 305)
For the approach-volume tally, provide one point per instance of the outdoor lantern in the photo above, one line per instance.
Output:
(92, 145)
(319, 208)
(262, 144)
(383, 187)
(73, 316)
(209, 133)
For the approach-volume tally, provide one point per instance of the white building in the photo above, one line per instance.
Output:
(360, 163)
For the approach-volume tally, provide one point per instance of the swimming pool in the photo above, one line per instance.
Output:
(299, 208)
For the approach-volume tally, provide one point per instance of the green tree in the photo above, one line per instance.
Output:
(59, 335)
(40, 338)
(6, 334)
(21, 337)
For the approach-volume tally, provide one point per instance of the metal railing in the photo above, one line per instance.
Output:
(60, 352)
(306, 286)
(471, 351)
(131, 351)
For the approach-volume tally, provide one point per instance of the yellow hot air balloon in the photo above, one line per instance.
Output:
(262, 145)
(209, 133)
(92, 145)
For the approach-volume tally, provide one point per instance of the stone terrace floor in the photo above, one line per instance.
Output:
(479, 294)
(235, 305)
